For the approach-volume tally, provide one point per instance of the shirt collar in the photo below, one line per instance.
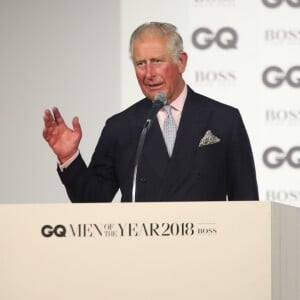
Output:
(178, 103)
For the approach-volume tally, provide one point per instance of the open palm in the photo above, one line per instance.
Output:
(64, 141)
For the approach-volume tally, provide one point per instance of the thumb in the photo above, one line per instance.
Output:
(76, 125)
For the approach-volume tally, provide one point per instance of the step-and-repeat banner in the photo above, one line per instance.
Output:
(247, 54)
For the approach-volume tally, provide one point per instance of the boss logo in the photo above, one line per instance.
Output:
(282, 115)
(58, 231)
(275, 157)
(212, 77)
(274, 77)
(225, 38)
(276, 3)
(283, 195)
(291, 36)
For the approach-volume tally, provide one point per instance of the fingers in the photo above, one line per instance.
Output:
(48, 118)
(54, 122)
(53, 118)
(48, 124)
(57, 116)
(51, 122)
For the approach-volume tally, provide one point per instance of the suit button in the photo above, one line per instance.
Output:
(143, 180)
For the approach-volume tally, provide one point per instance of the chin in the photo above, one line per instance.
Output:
(150, 95)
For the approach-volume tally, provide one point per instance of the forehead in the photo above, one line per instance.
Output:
(150, 46)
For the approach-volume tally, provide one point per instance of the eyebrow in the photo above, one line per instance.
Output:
(151, 59)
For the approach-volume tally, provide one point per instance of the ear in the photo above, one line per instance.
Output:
(182, 61)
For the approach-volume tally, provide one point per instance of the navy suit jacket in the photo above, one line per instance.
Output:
(220, 171)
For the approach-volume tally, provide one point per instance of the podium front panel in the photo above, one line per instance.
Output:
(202, 250)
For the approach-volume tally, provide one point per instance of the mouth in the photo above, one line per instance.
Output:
(155, 87)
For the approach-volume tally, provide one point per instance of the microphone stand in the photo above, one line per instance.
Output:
(139, 154)
(159, 101)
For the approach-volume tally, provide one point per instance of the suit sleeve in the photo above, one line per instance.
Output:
(96, 183)
(241, 177)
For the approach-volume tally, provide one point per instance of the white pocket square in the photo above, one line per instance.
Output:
(208, 139)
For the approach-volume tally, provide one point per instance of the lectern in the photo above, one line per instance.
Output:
(195, 251)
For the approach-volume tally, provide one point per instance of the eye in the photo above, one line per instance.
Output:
(140, 63)
(157, 61)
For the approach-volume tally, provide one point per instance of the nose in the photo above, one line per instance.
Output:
(149, 70)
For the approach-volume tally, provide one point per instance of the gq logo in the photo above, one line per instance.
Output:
(226, 38)
(274, 76)
(276, 3)
(275, 157)
(58, 231)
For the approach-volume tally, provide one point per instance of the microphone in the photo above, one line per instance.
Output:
(159, 101)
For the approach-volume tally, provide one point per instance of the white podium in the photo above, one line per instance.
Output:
(187, 251)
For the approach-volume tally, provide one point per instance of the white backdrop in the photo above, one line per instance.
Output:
(246, 39)
(53, 52)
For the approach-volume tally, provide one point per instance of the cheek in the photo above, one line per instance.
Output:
(139, 75)
(171, 75)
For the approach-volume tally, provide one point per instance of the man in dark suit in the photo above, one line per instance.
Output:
(211, 158)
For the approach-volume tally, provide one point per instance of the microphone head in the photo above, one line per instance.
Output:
(160, 98)
(158, 102)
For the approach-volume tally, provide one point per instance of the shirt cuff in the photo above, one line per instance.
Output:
(67, 163)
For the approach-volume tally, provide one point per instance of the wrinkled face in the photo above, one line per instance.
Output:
(155, 69)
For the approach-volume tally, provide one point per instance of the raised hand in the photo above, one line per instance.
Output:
(63, 140)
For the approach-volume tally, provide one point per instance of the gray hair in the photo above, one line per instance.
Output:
(168, 30)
